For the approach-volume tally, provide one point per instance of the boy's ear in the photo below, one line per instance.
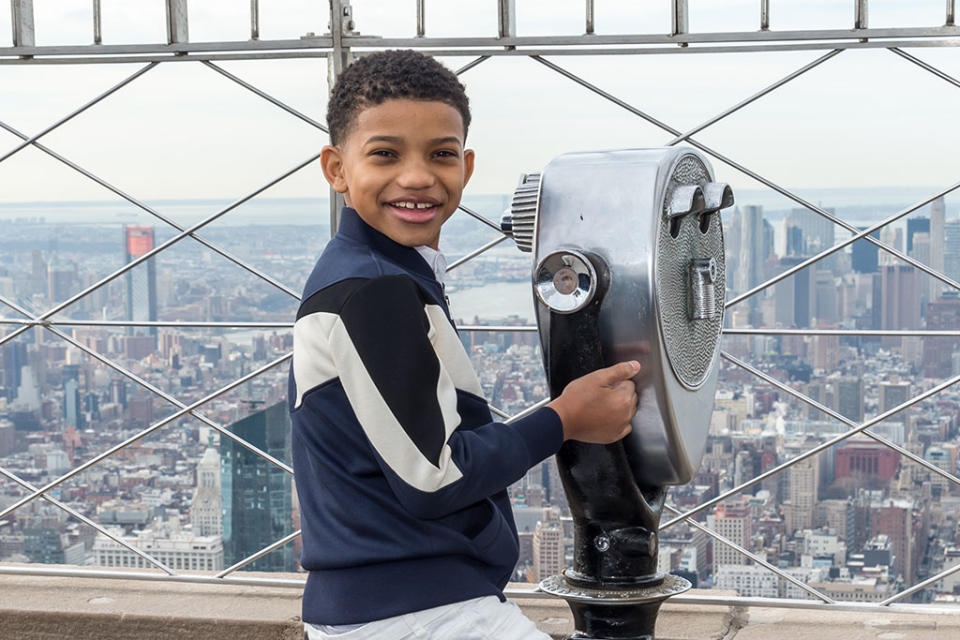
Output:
(331, 160)
(468, 157)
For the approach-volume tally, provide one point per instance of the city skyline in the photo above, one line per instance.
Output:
(64, 407)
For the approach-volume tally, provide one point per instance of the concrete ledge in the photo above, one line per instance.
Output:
(60, 608)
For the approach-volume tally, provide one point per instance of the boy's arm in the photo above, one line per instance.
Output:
(400, 363)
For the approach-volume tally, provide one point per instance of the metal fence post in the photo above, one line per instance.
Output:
(951, 13)
(861, 14)
(254, 19)
(679, 19)
(97, 35)
(764, 15)
(23, 34)
(341, 22)
(507, 18)
(590, 17)
(177, 30)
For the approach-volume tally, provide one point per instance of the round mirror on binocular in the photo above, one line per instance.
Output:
(638, 232)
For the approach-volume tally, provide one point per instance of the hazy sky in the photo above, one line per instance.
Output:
(863, 119)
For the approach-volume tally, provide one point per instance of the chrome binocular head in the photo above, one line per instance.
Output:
(633, 239)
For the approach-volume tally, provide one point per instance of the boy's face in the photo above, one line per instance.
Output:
(403, 167)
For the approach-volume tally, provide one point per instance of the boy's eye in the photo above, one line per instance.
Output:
(383, 153)
(445, 153)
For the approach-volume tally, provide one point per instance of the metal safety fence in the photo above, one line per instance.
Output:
(342, 44)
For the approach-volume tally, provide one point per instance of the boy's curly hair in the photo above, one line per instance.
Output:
(387, 75)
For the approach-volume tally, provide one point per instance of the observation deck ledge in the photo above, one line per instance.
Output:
(34, 607)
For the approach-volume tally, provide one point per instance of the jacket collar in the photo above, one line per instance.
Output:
(353, 227)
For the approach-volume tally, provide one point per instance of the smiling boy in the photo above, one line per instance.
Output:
(401, 472)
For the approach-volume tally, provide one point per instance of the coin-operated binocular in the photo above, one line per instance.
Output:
(629, 265)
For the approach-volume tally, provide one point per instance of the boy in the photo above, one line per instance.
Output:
(401, 472)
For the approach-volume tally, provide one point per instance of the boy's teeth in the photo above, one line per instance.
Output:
(413, 205)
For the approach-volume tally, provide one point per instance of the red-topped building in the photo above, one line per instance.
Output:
(866, 458)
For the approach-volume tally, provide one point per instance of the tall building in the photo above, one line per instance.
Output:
(864, 254)
(257, 495)
(62, 280)
(892, 237)
(13, 354)
(733, 521)
(899, 297)
(38, 272)
(914, 226)
(825, 297)
(942, 314)
(752, 256)
(939, 457)
(206, 508)
(804, 477)
(794, 296)
(850, 397)
(548, 557)
(893, 394)
(72, 410)
(938, 214)
(951, 250)
(895, 519)
(141, 280)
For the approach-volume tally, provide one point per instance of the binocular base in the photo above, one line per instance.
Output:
(615, 613)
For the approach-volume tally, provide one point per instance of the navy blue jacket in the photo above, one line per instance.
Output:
(400, 470)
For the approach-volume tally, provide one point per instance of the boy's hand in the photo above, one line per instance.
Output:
(599, 406)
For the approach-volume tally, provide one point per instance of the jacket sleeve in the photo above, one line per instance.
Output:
(400, 363)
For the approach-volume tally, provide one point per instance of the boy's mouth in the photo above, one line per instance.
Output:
(414, 210)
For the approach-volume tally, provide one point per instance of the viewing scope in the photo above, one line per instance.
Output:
(628, 264)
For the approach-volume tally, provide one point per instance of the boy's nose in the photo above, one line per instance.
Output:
(415, 175)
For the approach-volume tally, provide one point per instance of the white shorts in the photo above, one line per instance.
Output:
(484, 618)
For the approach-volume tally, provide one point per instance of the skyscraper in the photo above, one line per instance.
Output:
(938, 213)
(72, 411)
(864, 254)
(548, 557)
(206, 514)
(942, 314)
(752, 256)
(141, 280)
(794, 295)
(850, 398)
(951, 250)
(14, 357)
(732, 520)
(900, 297)
(256, 494)
(804, 479)
(914, 226)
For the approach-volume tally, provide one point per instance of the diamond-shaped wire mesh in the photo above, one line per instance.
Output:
(687, 137)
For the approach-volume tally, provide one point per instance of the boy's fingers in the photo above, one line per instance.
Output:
(620, 371)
